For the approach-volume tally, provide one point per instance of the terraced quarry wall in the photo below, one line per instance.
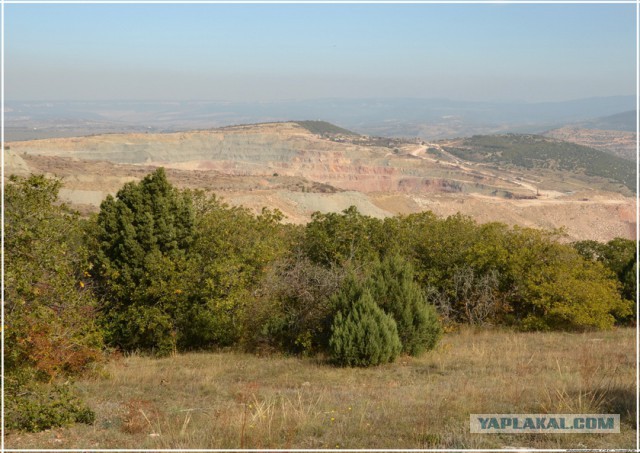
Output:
(284, 166)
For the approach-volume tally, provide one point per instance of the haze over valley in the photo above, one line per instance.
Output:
(426, 118)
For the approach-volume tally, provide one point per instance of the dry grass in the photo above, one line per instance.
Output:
(232, 400)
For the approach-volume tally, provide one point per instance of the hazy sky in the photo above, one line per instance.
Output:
(277, 52)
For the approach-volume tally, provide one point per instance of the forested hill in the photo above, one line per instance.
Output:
(324, 128)
(535, 151)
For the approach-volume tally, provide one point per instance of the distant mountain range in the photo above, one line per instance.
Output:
(425, 118)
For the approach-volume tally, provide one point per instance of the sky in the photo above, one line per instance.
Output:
(276, 52)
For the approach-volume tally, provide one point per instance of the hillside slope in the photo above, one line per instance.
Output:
(624, 121)
(538, 152)
(619, 143)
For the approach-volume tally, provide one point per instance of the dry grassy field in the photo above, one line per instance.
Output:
(233, 400)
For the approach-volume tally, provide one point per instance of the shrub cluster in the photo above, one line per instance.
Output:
(363, 334)
(397, 293)
(161, 270)
(175, 268)
(382, 315)
(33, 406)
(619, 256)
(51, 328)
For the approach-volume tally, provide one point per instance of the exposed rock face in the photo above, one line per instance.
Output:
(15, 163)
(283, 148)
(261, 143)
(284, 166)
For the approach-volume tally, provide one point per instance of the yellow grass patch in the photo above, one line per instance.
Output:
(234, 400)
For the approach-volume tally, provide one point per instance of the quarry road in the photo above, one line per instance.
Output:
(477, 169)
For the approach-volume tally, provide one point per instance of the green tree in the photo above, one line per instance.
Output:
(437, 246)
(143, 237)
(231, 250)
(396, 292)
(178, 268)
(344, 239)
(618, 255)
(363, 335)
(556, 288)
(590, 249)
